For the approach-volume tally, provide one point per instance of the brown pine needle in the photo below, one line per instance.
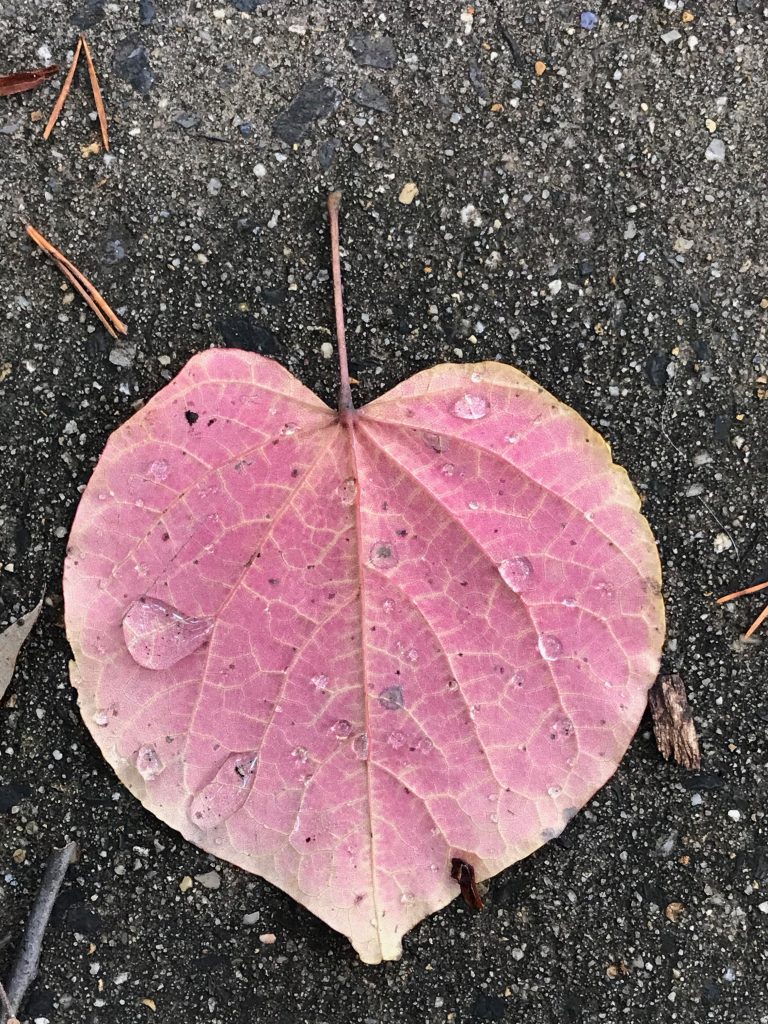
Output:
(80, 282)
(96, 94)
(64, 91)
(757, 623)
(742, 593)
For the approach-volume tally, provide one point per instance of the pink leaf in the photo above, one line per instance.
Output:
(347, 651)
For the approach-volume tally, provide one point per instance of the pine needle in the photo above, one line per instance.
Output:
(64, 91)
(80, 282)
(96, 94)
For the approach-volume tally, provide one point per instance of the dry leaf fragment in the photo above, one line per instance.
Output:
(673, 722)
(80, 282)
(64, 91)
(23, 81)
(150, 1003)
(11, 640)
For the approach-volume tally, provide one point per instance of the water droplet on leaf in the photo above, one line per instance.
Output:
(388, 605)
(396, 740)
(447, 469)
(348, 491)
(158, 635)
(288, 429)
(383, 555)
(407, 897)
(320, 682)
(342, 728)
(392, 698)
(225, 793)
(360, 746)
(550, 647)
(434, 441)
(516, 573)
(158, 469)
(148, 763)
(470, 407)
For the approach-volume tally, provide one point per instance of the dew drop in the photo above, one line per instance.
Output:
(516, 573)
(561, 729)
(470, 407)
(554, 791)
(148, 763)
(550, 647)
(288, 429)
(388, 605)
(407, 898)
(569, 602)
(392, 698)
(139, 503)
(476, 377)
(301, 754)
(348, 491)
(434, 441)
(158, 635)
(342, 728)
(494, 818)
(453, 684)
(447, 469)
(511, 438)
(396, 740)
(102, 496)
(412, 655)
(103, 715)
(158, 469)
(225, 793)
(319, 682)
(517, 679)
(473, 505)
(360, 746)
(425, 745)
(605, 588)
(383, 555)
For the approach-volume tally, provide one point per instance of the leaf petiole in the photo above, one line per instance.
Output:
(346, 405)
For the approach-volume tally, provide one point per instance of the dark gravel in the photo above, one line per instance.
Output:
(601, 225)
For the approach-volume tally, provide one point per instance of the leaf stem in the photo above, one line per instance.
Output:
(346, 405)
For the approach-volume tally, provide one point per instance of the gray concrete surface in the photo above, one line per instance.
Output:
(604, 229)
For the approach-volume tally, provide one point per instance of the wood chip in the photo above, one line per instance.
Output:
(673, 722)
(97, 98)
(64, 91)
(673, 912)
(149, 1003)
(539, 67)
(408, 193)
(23, 81)
(80, 282)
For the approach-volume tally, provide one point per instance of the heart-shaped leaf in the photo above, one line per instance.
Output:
(342, 650)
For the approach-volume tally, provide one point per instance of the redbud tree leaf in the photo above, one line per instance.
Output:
(341, 651)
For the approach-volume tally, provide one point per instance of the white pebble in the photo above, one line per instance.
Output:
(734, 815)
(326, 350)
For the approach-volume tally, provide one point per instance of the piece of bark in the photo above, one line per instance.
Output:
(23, 81)
(673, 723)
